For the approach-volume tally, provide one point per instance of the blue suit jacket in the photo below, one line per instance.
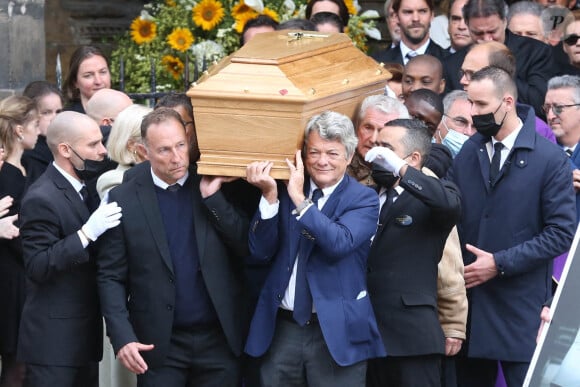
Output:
(525, 220)
(337, 244)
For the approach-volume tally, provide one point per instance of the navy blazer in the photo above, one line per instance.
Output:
(575, 164)
(525, 220)
(337, 241)
(61, 321)
(135, 271)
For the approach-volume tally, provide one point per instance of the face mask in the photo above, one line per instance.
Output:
(486, 125)
(92, 168)
(454, 140)
(382, 177)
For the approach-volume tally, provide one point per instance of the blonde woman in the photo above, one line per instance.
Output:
(19, 129)
(122, 146)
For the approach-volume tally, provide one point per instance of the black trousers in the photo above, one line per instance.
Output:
(199, 357)
(51, 376)
(405, 371)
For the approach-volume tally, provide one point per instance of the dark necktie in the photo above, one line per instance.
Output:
(85, 194)
(495, 162)
(411, 55)
(302, 296)
(569, 152)
(173, 188)
(391, 195)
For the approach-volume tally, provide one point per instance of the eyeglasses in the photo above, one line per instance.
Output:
(557, 109)
(571, 40)
(466, 73)
(460, 122)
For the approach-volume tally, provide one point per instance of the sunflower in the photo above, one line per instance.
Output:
(180, 39)
(173, 65)
(143, 31)
(170, 3)
(270, 12)
(242, 19)
(350, 6)
(207, 14)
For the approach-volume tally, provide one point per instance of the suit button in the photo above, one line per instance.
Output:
(279, 296)
(308, 322)
(288, 268)
(169, 307)
(171, 280)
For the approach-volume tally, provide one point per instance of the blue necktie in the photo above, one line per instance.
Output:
(302, 296)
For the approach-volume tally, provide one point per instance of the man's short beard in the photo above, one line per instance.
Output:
(412, 39)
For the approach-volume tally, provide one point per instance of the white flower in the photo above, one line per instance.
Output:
(256, 5)
(146, 16)
(206, 51)
(290, 6)
(372, 33)
(370, 14)
(356, 5)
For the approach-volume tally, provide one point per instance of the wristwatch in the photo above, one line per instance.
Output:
(301, 207)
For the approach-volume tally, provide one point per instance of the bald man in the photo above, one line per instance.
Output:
(106, 104)
(61, 330)
(423, 72)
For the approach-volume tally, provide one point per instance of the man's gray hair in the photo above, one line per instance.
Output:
(566, 82)
(384, 104)
(386, 7)
(484, 8)
(525, 8)
(333, 126)
(452, 97)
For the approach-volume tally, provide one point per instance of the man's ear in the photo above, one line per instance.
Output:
(142, 149)
(442, 86)
(415, 160)
(64, 150)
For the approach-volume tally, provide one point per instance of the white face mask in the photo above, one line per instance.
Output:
(454, 140)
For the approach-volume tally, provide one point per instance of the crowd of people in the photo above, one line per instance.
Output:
(414, 244)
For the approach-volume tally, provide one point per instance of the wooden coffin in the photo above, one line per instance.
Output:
(255, 104)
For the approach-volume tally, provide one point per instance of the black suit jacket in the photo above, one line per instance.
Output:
(402, 264)
(534, 67)
(135, 273)
(61, 321)
(393, 54)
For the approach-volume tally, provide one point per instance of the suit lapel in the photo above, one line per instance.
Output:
(149, 204)
(69, 192)
(484, 164)
(402, 202)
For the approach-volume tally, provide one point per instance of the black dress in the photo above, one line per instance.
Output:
(13, 183)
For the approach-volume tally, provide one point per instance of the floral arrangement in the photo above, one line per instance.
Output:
(183, 37)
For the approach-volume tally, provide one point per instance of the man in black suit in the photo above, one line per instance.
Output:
(415, 18)
(417, 213)
(60, 336)
(486, 20)
(169, 277)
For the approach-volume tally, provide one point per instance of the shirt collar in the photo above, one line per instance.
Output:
(420, 51)
(326, 191)
(163, 185)
(77, 185)
(510, 139)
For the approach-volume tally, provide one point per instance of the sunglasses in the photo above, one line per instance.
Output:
(571, 40)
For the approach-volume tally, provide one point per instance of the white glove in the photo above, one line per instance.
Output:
(386, 158)
(105, 217)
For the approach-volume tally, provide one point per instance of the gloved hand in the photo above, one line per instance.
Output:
(105, 217)
(386, 158)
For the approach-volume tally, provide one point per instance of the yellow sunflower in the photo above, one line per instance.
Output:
(170, 3)
(143, 31)
(270, 12)
(350, 6)
(180, 39)
(207, 14)
(242, 19)
(173, 65)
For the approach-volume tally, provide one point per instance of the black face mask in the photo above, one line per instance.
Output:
(486, 125)
(382, 177)
(91, 168)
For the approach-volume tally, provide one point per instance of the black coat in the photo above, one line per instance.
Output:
(393, 54)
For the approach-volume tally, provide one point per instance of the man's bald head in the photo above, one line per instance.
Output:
(106, 104)
(423, 72)
(487, 54)
(67, 127)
